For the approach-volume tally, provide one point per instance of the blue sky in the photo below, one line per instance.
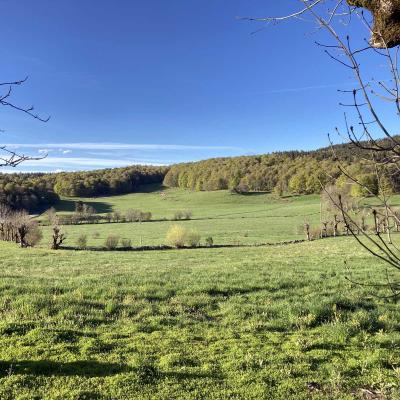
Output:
(161, 82)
